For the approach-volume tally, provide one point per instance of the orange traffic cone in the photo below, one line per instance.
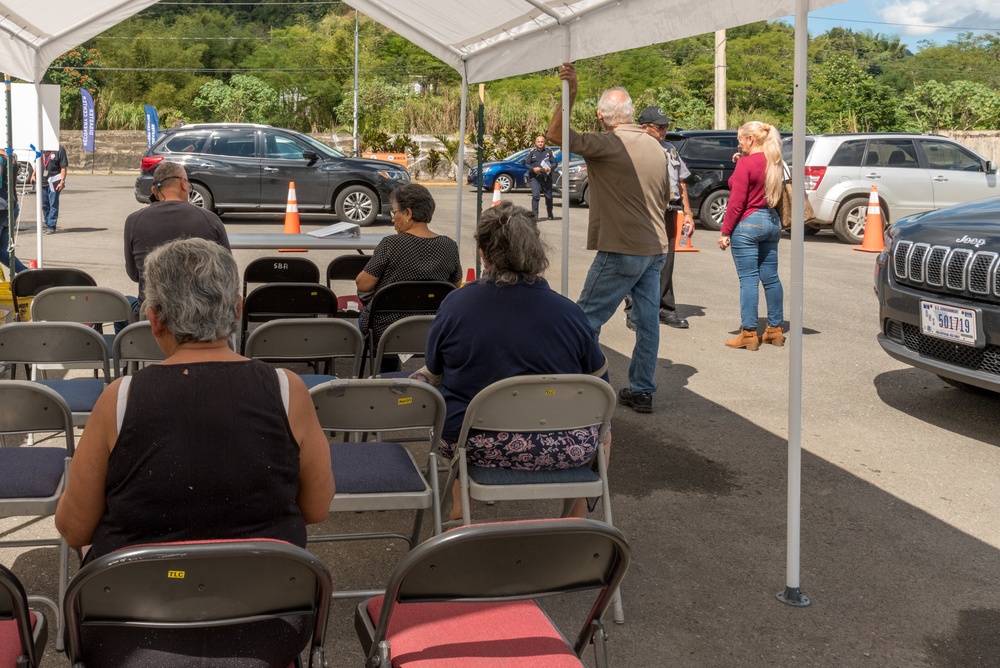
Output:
(470, 276)
(496, 193)
(682, 242)
(292, 219)
(873, 241)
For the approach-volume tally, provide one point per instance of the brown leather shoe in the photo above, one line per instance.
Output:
(773, 335)
(747, 339)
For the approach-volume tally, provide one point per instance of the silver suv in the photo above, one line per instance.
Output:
(913, 172)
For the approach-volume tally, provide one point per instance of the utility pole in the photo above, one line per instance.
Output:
(721, 117)
(357, 152)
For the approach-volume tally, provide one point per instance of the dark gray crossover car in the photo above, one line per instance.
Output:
(243, 167)
(938, 287)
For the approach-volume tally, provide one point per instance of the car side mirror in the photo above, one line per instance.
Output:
(991, 167)
(311, 156)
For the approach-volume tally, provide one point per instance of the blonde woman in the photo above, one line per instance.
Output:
(752, 228)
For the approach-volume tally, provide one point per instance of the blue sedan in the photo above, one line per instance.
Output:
(510, 172)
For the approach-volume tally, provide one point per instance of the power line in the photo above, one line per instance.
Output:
(902, 25)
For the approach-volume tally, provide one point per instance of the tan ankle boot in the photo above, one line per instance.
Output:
(747, 339)
(773, 335)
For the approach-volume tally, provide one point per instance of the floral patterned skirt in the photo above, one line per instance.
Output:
(535, 451)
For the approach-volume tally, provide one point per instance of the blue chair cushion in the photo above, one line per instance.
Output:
(313, 379)
(374, 467)
(499, 476)
(80, 393)
(30, 472)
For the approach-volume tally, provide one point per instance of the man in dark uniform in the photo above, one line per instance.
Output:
(540, 162)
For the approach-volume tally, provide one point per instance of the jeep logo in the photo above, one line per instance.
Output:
(966, 239)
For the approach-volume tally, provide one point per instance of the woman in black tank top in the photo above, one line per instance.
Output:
(205, 445)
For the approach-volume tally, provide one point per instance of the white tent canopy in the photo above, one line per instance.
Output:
(486, 40)
(493, 39)
(33, 34)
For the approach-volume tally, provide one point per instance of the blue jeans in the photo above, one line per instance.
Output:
(50, 207)
(5, 241)
(610, 278)
(755, 252)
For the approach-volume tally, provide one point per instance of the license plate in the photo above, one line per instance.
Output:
(948, 322)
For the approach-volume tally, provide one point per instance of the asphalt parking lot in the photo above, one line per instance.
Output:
(900, 503)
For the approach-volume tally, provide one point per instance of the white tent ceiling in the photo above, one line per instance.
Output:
(486, 40)
(34, 33)
(493, 39)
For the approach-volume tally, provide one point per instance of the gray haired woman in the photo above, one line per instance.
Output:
(205, 445)
(510, 323)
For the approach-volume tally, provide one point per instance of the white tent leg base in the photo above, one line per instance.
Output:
(793, 596)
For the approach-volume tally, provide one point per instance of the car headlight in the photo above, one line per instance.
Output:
(393, 175)
(576, 169)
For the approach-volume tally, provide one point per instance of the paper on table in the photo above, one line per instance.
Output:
(337, 230)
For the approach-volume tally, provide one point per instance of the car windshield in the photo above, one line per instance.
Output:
(517, 157)
(323, 148)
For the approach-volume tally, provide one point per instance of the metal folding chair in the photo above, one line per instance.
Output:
(289, 269)
(32, 478)
(60, 343)
(134, 346)
(407, 336)
(229, 600)
(23, 631)
(30, 283)
(399, 300)
(90, 305)
(345, 268)
(380, 475)
(274, 301)
(469, 593)
(307, 340)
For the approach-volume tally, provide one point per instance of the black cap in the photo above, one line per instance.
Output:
(655, 116)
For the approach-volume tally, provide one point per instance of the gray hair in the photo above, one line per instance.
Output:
(616, 106)
(193, 285)
(167, 170)
(511, 246)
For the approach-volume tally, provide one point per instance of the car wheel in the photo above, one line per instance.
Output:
(24, 170)
(584, 194)
(200, 196)
(849, 225)
(358, 205)
(506, 182)
(713, 209)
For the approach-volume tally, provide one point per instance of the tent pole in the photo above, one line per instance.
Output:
(38, 167)
(461, 156)
(564, 286)
(792, 594)
(11, 178)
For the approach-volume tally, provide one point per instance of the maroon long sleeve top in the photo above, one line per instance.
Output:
(746, 190)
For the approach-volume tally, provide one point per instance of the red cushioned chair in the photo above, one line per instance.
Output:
(248, 603)
(464, 599)
(23, 632)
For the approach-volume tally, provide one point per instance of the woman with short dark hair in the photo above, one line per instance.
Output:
(415, 253)
(510, 323)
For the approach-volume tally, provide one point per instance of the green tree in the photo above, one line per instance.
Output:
(957, 105)
(245, 99)
(846, 98)
(72, 71)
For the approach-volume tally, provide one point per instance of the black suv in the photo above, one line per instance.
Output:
(708, 155)
(242, 167)
(938, 287)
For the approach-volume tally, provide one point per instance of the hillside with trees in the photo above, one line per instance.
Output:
(292, 65)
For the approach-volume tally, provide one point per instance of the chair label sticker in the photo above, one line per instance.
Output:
(175, 575)
(404, 400)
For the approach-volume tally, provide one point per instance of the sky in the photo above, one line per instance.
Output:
(913, 20)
